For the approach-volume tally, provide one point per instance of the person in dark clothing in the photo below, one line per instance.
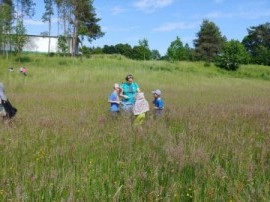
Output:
(9, 110)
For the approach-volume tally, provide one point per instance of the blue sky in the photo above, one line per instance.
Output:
(161, 21)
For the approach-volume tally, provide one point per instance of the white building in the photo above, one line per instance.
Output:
(37, 43)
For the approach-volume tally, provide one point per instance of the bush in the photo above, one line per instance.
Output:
(233, 54)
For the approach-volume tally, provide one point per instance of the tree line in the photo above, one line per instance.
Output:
(209, 46)
(77, 19)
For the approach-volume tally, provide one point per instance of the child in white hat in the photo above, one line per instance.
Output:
(158, 102)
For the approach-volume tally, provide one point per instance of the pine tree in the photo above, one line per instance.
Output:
(209, 42)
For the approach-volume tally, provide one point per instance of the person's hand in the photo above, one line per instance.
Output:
(125, 96)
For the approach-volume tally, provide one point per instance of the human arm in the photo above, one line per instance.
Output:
(123, 96)
(115, 101)
(121, 93)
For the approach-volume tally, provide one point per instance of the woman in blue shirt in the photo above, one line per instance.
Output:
(129, 91)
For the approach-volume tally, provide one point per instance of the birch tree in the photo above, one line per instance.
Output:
(47, 17)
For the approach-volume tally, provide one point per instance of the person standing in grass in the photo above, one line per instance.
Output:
(23, 70)
(9, 111)
(158, 102)
(129, 91)
(114, 99)
(140, 108)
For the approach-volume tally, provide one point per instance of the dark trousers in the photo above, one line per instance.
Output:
(10, 110)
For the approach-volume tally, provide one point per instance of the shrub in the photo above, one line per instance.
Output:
(233, 54)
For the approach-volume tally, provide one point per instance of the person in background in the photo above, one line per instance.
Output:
(11, 69)
(140, 108)
(158, 102)
(10, 111)
(23, 70)
(114, 99)
(129, 90)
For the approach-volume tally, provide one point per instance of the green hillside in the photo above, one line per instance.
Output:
(211, 144)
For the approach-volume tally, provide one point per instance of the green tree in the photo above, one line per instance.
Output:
(155, 55)
(257, 43)
(209, 42)
(19, 38)
(64, 12)
(47, 17)
(124, 49)
(177, 51)
(62, 45)
(26, 7)
(23, 8)
(86, 51)
(109, 49)
(85, 22)
(144, 48)
(6, 19)
(138, 53)
(233, 54)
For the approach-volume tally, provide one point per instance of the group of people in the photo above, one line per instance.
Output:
(129, 98)
(7, 111)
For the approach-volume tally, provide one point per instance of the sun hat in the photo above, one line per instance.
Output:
(158, 92)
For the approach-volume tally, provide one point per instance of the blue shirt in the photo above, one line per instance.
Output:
(130, 90)
(158, 103)
(114, 106)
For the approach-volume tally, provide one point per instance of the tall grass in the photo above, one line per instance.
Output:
(211, 144)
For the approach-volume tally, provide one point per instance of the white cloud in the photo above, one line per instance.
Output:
(152, 5)
(170, 26)
(252, 14)
(118, 10)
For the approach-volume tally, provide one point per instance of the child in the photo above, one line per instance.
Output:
(158, 102)
(141, 106)
(7, 110)
(114, 99)
(23, 70)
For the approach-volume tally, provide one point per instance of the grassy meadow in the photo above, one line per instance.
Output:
(211, 144)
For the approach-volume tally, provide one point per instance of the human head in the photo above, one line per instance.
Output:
(116, 85)
(156, 93)
(129, 78)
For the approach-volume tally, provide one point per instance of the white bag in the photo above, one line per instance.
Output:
(2, 110)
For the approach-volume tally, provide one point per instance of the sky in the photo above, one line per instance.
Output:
(161, 21)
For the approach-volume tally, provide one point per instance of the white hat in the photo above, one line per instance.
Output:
(158, 92)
